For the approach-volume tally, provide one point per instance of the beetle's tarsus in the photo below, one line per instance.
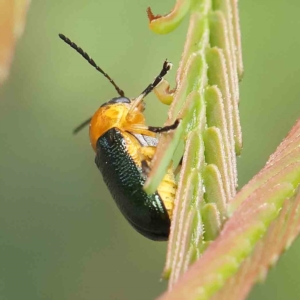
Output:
(165, 128)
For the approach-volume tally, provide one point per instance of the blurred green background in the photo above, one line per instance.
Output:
(61, 235)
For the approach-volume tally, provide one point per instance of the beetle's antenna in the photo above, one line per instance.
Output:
(91, 62)
(82, 125)
(165, 69)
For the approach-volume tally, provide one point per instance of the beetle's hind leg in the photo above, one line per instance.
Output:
(145, 167)
(178, 168)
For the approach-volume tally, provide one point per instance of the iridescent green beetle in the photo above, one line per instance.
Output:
(124, 147)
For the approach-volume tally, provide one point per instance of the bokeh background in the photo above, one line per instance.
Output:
(61, 235)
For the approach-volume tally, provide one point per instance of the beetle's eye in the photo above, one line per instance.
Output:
(119, 100)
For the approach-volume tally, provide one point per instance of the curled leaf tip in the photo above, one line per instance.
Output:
(151, 16)
(164, 93)
(163, 24)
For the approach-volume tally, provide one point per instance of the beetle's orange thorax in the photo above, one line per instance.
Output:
(115, 115)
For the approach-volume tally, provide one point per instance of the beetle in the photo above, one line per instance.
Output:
(124, 147)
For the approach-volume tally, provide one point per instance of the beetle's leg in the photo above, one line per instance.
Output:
(145, 167)
(150, 130)
(146, 154)
(178, 168)
(165, 128)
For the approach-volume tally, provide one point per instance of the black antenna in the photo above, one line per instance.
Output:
(158, 79)
(91, 61)
(165, 69)
(82, 125)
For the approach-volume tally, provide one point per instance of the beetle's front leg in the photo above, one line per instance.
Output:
(165, 128)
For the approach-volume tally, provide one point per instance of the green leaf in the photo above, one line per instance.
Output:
(165, 24)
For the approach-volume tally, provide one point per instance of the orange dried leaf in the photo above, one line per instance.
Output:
(12, 22)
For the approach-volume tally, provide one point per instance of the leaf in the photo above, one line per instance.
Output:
(206, 99)
(165, 24)
(12, 22)
(263, 225)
